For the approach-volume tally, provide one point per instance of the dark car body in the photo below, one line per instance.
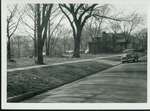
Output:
(130, 55)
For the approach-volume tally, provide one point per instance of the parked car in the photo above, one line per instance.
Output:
(130, 55)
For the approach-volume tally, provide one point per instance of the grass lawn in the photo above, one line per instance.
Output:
(19, 82)
(25, 61)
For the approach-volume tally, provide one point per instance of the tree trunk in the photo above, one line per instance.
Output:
(35, 40)
(35, 33)
(76, 52)
(8, 49)
(8, 44)
(19, 48)
(77, 40)
(35, 47)
(40, 55)
(48, 39)
(47, 47)
(39, 38)
(40, 47)
(41, 41)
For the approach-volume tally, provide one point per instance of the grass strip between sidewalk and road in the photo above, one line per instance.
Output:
(38, 79)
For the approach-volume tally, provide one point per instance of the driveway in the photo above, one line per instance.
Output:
(125, 83)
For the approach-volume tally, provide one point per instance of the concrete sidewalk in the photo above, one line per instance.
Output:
(55, 64)
(126, 83)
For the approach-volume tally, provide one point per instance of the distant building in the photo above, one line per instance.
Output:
(107, 43)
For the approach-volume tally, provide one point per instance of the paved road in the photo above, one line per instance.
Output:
(126, 83)
(67, 62)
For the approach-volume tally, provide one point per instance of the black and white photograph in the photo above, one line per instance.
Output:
(75, 52)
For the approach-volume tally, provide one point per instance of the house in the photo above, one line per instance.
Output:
(107, 43)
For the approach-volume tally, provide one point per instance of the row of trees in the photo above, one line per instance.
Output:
(47, 18)
(12, 25)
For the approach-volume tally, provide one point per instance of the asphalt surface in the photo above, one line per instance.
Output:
(125, 83)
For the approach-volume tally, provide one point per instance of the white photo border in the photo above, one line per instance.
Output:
(6, 105)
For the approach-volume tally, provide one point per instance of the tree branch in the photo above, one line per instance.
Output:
(79, 7)
(46, 17)
(86, 10)
(16, 26)
(116, 19)
(28, 25)
(71, 23)
(56, 26)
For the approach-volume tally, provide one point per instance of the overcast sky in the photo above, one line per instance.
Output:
(126, 7)
(140, 7)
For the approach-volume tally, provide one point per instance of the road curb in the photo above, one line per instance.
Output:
(24, 96)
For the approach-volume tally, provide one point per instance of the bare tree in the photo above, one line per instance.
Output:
(65, 39)
(31, 15)
(80, 13)
(52, 27)
(115, 28)
(142, 37)
(54, 40)
(77, 15)
(43, 14)
(127, 27)
(12, 25)
(94, 25)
